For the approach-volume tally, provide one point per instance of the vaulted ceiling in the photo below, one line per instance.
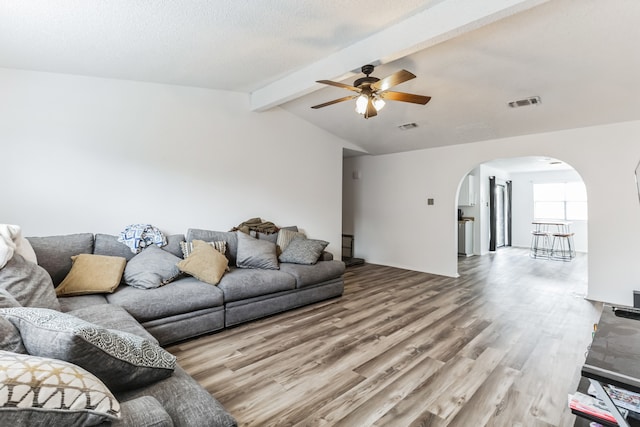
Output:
(472, 57)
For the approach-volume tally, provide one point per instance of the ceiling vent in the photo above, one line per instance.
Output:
(533, 100)
(408, 126)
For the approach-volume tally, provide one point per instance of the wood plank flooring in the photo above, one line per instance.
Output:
(501, 345)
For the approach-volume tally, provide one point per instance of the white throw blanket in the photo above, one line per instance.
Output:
(11, 241)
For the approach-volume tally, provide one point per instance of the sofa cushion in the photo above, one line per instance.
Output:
(185, 401)
(111, 316)
(120, 359)
(54, 252)
(184, 295)
(213, 236)
(107, 244)
(47, 392)
(309, 275)
(151, 268)
(80, 301)
(92, 274)
(254, 253)
(303, 251)
(242, 283)
(28, 284)
(204, 263)
(143, 411)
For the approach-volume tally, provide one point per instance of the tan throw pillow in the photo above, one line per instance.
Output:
(92, 274)
(204, 263)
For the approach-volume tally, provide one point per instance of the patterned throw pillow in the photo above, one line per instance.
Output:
(42, 391)
(120, 359)
(151, 268)
(92, 274)
(187, 247)
(303, 251)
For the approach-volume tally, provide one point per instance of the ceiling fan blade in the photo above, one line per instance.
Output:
(393, 80)
(371, 110)
(404, 97)
(338, 84)
(335, 101)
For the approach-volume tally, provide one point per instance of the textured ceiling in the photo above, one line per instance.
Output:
(579, 56)
(237, 45)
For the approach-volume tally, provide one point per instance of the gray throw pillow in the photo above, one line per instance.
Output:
(254, 253)
(39, 391)
(10, 339)
(28, 283)
(7, 300)
(151, 268)
(303, 251)
(120, 359)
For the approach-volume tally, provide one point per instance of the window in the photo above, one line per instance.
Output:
(560, 200)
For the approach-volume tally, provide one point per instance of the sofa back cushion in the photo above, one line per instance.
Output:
(212, 236)
(54, 252)
(27, 284)
(107, 244)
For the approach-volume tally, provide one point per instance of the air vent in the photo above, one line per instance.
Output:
(533, 100)
(408, 126)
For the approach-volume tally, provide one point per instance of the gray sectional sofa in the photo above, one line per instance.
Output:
(183, 309)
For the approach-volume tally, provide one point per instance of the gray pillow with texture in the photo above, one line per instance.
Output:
(54, 252)
(121, 360)
(28, 283)
(303, 251)
(254, 253)
(151, 268)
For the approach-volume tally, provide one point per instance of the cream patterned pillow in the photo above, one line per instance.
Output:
(121, 360)
(42, 391)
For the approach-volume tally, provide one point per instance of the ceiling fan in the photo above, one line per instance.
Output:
(372, 91)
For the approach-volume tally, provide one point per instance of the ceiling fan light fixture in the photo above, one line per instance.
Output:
(361, 104)
(370, 92)
(378, 103)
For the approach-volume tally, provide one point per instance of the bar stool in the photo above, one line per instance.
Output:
(540, 247)
(562, 248)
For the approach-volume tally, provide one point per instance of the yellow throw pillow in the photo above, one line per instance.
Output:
(92, 274)
(204, 263)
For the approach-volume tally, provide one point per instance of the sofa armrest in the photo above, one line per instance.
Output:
(326, 256)
(143, 411)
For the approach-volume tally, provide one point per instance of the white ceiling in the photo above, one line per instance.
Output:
(579, 56)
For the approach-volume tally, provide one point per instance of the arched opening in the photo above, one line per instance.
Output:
(500, 200)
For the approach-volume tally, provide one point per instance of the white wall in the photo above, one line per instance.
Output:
(523, 206)
(394, 225)
(84, 154)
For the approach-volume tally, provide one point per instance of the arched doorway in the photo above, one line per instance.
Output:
(520, 180)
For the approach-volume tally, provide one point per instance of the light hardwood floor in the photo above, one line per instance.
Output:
(501, 345)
